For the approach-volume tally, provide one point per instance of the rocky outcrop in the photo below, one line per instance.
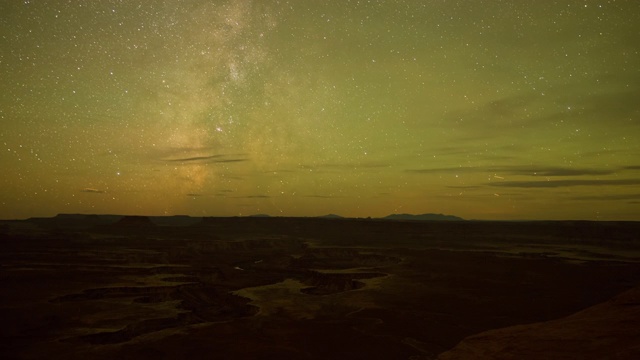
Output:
(247, 245)
(331, 283)
(136, 329)
(345, 258)
(606, 331)
(198, 303)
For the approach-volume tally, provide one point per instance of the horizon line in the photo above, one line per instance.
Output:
(330, 216)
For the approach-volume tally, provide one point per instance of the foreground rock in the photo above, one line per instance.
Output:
(606, 331)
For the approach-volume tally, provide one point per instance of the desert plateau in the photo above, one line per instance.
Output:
(136, 287)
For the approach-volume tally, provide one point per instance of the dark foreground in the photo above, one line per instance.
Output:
(89, 287)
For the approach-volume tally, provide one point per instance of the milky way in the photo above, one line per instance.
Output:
(488, 109)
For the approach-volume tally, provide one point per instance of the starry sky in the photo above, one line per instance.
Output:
(484, 109)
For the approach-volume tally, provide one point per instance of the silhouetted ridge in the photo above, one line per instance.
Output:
(69, 221)
(135, 221)
(423, 217)
(176, 220)
(331, 216)
(260, 215)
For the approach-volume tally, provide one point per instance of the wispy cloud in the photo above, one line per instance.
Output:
(465, 187)
(496, 116)
(195, 158)
(609, 197)
(222, 193)
(208, 159)
(477, 147)
(445, 170)
(343, 166)
(564, 183)
(616, 106)
(197, 155)
(324, 196)
(547, 171)
(92, 191)
(552, 171)
(573, 104)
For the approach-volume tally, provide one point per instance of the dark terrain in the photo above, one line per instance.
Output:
(105, 287)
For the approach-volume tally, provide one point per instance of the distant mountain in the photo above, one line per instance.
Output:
(176, 220)
(260, 215)
(423, 217)
(135, 221)
(331, 216)
(75, 220)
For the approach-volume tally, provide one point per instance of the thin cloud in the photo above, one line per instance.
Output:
(614, 197)
(187, 155)
(547, 171)
(223, 192)
(230, 160)
(618, 105)
(346, 166)
(92, 191)
(277, 172)
(554, 171)
(207, 159)
(510, 115)
(564, 183)
(323, 196)
(445, 170)
(195, 158)
(496, 117)
(475, 146)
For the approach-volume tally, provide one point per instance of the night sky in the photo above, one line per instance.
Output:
(488, 109)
